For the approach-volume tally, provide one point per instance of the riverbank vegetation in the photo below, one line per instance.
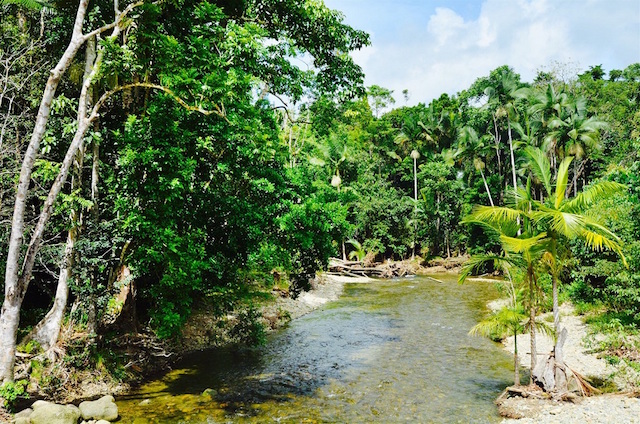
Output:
(194, 155)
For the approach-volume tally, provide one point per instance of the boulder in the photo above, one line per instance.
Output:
(104, 408)
(23, 417)
(50, 413)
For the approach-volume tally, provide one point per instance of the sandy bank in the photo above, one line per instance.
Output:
(326, 288)
(579, 355)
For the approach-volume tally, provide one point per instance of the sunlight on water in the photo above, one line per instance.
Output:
(389, 351)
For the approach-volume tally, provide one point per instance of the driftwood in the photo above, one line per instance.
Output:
(553, 375)
(358, 269)
(531, 391)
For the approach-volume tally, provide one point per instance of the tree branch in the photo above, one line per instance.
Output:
(116, 22)
(219, 110)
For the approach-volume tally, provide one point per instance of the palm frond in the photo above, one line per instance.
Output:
(494, 214)
(477, 261)
(520, 245)
(504, 322)
(541, 327)
(561, 181)
(355, 243)
(597, 237)
(567, 224)
(598, 191)
(540, 167)
(29, 4)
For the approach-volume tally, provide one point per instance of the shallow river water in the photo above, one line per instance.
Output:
(388, 351)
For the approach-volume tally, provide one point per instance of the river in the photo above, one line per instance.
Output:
(388, 351)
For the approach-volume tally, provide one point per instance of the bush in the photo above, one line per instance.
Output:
(11, 391)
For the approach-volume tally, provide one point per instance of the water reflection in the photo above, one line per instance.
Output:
(389, 351)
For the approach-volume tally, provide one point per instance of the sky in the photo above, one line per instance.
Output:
(430, 47)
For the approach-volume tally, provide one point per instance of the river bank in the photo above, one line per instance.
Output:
(582, 356)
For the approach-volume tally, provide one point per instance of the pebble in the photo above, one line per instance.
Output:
(605, 409)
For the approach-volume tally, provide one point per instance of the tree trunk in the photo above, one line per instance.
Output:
(532, 320)
(47, 330)
(15, 283)
(486, 186)
(556, 309)
(513, 161)
(552, 374)
(516, 360)
(17, 278)
(92, 321)
(554, 279)
(497, 141)
(513, 171)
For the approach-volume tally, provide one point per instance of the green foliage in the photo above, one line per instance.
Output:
(11, 391)
(220, 206)
(502, 323)
(308, 231)
(248, 329)
(359, 252)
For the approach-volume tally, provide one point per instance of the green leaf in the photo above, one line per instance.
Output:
(540, 167)
(562, 179)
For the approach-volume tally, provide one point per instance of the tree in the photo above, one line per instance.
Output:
(211, 80)
(473, 148)
(508, 321)
(17, 278)
(523, 252)
(565, 219)
(379, 98)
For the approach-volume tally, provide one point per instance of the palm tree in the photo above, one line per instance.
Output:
(358, 253)
(547, 226)
(565, 218)
(575, 135)
(508, 321)
(472, 147)
(522, 252)
(503, 96)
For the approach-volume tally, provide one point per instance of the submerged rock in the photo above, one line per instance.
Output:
(104, 408)
(210, 392)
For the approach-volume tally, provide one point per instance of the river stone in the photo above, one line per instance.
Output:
(102, 409)
(49, 413)
(23, 417)
(210, 392)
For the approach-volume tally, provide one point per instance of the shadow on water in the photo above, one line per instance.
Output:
(388, 351)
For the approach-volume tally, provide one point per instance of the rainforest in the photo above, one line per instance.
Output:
(175, 175)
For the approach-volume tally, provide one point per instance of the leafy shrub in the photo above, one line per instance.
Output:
(248, 329)
(13, 390)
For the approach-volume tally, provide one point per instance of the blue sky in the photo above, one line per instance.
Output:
(432, 47)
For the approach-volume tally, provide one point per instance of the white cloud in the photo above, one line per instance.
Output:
(444, 25)
(449, 51)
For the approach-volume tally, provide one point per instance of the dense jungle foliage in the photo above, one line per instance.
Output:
(238, 150)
